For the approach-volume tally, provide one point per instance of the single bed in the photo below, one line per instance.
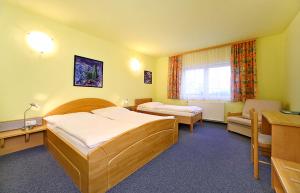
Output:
(99, 168)
(184, 114)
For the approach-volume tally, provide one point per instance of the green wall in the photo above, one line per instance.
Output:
(27, 76)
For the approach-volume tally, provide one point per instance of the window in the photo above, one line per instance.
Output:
(194, 81)
(209, 80)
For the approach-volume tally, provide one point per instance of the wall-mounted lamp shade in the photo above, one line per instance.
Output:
(135, 64)
(125, 102)
(40, 42)
(34, 105)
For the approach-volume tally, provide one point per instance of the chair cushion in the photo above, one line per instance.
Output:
(264, 139)
(259, 106)
(241, 120)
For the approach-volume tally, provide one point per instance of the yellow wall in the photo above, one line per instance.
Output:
(270, 67)
(292, 61)
(27, 76)
(270, 73)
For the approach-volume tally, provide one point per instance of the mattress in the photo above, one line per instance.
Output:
(169, 112)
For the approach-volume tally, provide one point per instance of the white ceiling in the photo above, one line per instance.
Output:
(163, 27)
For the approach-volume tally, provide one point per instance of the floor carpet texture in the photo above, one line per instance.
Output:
(210, 160)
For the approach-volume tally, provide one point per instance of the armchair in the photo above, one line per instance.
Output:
(241, 122)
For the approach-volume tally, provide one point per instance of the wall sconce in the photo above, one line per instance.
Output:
(36, 106)
(40, 42)
(125, 103)
(135, 64)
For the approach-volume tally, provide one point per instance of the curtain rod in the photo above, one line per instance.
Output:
(213, 47)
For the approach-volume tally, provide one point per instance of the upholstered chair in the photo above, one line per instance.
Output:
(241, 123)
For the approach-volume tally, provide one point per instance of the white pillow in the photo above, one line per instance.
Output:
(150, 105)
(110, 110)
(55, 118)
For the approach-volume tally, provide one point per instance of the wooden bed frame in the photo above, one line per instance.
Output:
(111, 162)
(180, 119)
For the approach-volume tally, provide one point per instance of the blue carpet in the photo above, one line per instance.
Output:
(211, 160)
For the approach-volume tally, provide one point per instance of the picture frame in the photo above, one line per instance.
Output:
(87, 72)
(147, 77)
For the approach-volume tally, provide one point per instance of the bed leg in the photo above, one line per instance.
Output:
(201, 120)
(191, 127)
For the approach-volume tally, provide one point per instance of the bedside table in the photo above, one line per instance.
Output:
(131, 108)
(19, 139)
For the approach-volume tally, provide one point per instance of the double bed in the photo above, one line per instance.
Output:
(99, 144)
(184, 114)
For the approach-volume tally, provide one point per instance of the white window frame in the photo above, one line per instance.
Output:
(205, 95)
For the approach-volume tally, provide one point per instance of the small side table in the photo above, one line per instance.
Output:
(19, 139)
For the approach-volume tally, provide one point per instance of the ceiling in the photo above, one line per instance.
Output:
(163, 27)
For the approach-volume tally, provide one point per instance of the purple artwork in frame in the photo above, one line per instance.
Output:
(147, 77)
(88, 72)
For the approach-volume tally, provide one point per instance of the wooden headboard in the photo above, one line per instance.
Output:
(141, 101)
(81, 105)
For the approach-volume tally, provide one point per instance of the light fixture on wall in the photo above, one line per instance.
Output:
(135, 64)
(40, 42)
(31, 105)
(125, 102)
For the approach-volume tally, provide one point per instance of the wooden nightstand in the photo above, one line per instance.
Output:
(131, 108)
(16, 140)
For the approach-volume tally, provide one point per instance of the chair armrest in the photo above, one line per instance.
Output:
(230, 114)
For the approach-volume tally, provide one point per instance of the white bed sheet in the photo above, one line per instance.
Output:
(169, 112)
(179, 108)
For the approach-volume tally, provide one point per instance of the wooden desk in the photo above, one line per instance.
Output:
(285, 131)
(285, 176)
(16, 140)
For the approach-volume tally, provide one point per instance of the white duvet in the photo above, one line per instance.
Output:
(160, 106)
(188, 109)
(124, 115)
(90, 129)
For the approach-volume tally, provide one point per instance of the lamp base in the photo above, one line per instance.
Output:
(27, 128)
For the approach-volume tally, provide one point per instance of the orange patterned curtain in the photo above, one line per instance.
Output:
(175, 65)
(243, 71)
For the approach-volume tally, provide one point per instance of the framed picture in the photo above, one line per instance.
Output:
(88, 72)
(147, 77)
